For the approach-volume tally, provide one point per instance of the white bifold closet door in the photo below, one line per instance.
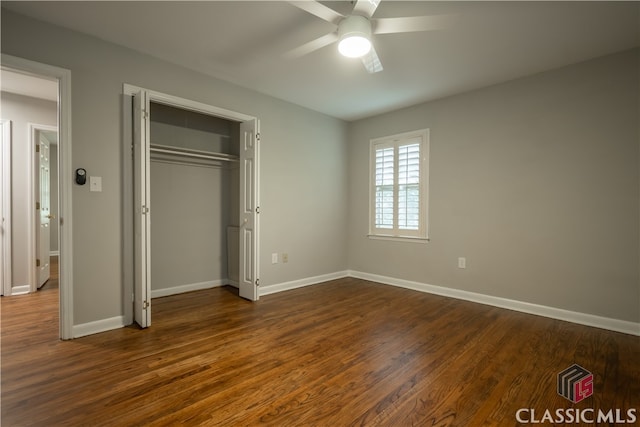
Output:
(142, 220)
(249, 209)
(249, 200)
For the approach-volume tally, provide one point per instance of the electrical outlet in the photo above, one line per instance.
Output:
(462, 262)
(274, 258)
(285, 257)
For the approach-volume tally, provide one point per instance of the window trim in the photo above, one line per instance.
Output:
(422, 234)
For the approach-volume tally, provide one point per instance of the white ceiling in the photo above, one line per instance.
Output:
(244, 41)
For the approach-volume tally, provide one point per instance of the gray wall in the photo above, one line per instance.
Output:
(191, 205)
(300, 213)
(534, 181)
(22, 110)
(191, 210)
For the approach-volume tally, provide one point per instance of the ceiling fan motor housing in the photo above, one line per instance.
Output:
(351, 27)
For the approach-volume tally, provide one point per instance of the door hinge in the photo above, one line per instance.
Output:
(145, 210)
(37, 148)
(61, 221)
(37, 206)
(145, 114)
(37, 262)
(145, 305)
(257, 282)
(257, 209)
(258, 136)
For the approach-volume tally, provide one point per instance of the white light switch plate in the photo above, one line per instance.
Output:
(95, 183)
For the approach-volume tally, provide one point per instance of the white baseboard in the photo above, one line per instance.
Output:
(281, 287)
(103, 325)
(20, 290)
(617, 325)
(156, 293)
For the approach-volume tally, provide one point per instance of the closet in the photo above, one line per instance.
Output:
(194, 181)
(194, 198)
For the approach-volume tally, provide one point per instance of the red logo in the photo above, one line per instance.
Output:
(575, 383)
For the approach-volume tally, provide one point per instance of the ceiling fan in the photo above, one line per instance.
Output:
(354, 32)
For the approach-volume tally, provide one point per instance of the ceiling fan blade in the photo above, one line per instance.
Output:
(411, 24)
(319, 10)
(311, 46)
(365, 7)
(371, 62)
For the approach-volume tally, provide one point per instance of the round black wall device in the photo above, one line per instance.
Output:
(81, 176)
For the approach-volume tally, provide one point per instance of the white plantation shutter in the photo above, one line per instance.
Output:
(399, 183)
(384, 187)
(409, 187)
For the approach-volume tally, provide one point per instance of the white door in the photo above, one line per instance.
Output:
(142, 273)
(5, 207)
(249, 209)
(43, 209)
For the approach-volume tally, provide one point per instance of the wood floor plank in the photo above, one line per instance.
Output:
(346, 352)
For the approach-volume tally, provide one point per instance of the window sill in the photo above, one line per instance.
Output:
(399, 238)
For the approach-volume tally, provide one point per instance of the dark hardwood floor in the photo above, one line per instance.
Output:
(346, 352)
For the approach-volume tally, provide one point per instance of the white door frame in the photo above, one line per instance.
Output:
(5, 208)
(174, 101)
(33, 232)
(63, 76)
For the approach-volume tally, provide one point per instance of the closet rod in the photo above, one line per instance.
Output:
(192, 153)
(185, 162)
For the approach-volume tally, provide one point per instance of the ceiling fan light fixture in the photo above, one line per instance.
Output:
(355, 36)
(354, 46)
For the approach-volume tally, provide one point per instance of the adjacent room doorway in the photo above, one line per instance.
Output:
(45, 140)
(62, 78)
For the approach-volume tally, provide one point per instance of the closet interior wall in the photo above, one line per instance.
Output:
(194, 198)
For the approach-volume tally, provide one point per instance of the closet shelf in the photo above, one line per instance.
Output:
(186, 152)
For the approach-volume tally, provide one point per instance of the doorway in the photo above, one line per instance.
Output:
(61, 79)
(5, 207)
(45, 141)
(137, 103)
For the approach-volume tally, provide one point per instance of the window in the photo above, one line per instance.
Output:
(399, 185)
